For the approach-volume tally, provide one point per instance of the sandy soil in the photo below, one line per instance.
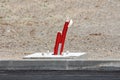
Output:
(28, 26)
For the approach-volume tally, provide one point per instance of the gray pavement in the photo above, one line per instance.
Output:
(59, 75)
(59, 69)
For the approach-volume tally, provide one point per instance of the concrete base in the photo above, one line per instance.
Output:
(50, 55)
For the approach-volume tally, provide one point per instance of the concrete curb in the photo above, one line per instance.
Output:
(107, 65)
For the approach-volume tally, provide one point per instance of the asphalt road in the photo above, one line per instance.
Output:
(59, 75)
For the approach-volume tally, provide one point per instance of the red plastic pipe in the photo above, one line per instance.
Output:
(58, 40)
(64, 32)
(61, 38)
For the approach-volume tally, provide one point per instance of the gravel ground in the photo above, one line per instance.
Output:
(28, 26)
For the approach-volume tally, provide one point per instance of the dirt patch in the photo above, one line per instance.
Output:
(28, 26)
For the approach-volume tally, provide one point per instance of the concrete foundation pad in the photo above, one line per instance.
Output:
(51, 56)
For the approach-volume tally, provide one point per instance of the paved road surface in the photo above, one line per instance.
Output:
(59, 75)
